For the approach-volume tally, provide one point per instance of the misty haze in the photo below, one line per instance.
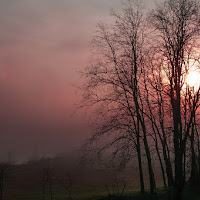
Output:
(99, 99)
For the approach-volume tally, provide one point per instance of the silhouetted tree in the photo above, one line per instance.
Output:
(114, 84)
(66, 182)
(177, 26)
(137, 87)
(11, 157)
(47, 181)
(3, 171)
(116, 184)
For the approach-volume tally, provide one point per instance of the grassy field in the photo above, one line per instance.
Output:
(24, 182)
(190, 193)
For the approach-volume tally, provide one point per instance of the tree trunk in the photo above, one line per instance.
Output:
(166, 156)
(161, 164)
(194, 171)
(150, 169)
(168, 169)
(179, 177)
(142, 190)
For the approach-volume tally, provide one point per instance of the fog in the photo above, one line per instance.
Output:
(43, 45)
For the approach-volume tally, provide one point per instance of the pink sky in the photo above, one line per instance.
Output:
(43, 43)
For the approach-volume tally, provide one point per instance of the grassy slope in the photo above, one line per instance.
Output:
(24, 183)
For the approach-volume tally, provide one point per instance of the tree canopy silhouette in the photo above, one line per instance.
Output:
(137, 91)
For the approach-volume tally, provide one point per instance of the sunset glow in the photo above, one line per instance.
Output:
(193, 79)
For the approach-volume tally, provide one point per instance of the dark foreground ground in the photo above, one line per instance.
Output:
(190, 193)
(24, 182)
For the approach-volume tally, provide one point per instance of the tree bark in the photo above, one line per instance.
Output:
(142, 190)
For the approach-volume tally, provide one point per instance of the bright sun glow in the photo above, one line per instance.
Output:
(193, 79)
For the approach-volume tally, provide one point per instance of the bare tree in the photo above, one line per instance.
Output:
(116, 184)
(47, 181)
(115, 85)
(139, 92)
(3, 171)
(66, 182)
(43, 174)
(11, 157)
(157, 111)
(177, 24)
